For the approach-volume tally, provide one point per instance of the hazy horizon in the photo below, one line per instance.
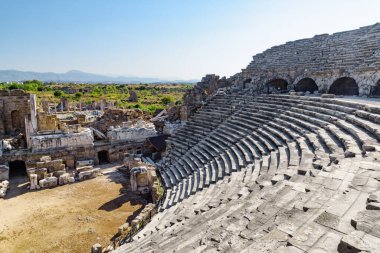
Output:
(163, 39)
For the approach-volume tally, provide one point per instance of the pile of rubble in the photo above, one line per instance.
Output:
(85, 170)
(49, 173)
(113, 117)
(132, 131)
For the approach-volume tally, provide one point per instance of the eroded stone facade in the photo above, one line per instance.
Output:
(324, 59)
(14, 107)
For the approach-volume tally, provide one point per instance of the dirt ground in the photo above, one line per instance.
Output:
(68, 218)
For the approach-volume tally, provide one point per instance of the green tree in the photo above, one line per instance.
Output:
(167, 99)
(58, 93)
(78, 95)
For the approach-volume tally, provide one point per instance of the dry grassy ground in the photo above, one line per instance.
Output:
(68, 218)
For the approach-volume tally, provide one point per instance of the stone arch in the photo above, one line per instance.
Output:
(306, 84)
(17, 120)
(344, 86)
(276, 85)
(375, 91)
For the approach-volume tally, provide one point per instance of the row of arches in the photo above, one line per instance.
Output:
(341, 86)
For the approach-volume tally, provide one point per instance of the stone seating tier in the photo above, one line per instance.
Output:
(278, 173)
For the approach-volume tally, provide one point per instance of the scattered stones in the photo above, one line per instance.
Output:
(3, 188)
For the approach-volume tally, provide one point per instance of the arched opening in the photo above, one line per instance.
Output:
(103, 157)
(277, 86)
(375, 92)
(245, 82)
(17, 121)
(17, 169)
(306, 84)
(344, 86)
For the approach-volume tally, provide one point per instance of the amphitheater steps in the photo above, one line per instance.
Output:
(272, 159)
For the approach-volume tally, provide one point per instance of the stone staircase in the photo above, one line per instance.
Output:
(272, 173)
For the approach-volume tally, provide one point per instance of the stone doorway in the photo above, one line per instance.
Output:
(103, 157)
(276, 86)
(306, 84)
(345, 86)
(375, 92)
(17, 169)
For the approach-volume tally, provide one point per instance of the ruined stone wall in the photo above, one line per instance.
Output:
(71, 155)
(323, 58)
(14, 107)
(196, 97)
(47, 122)
(82, 138)
(135, 133)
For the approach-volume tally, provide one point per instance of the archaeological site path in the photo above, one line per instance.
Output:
(69, 218)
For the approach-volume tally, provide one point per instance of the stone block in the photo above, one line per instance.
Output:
(58, 173)
(34, 182)
(327, 96)
(40, 172)
(64, 179)
(3, 188)
(96, 248)
(48, 182)
(367, 221)
(88, 174)
(124, 228)
(4, 172)
(84, 163)
(84, 168)
(45, 159)
(359, 241)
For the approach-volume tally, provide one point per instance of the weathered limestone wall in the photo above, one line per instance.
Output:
(197, 96)
(14, 107)
(84, 138)
(323, 58)
(47, 122)
(133, 133)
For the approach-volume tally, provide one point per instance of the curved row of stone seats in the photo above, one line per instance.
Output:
(341, 50)
(229, 189)
(241, 153)
(328, 137)
(348, 115)
(319, 213)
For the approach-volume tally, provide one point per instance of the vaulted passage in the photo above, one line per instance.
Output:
(306, 84)
(375, 92)
(344, 86)
(277, 85)
(17, 169)
(103, 157)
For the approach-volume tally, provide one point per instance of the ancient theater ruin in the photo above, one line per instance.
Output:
(281, 157)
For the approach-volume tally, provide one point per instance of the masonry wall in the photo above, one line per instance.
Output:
(14, 107)
(323, 58)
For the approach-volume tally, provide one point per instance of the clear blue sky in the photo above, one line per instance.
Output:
(163, 38)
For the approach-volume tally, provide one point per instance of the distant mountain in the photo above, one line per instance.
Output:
(78, 76)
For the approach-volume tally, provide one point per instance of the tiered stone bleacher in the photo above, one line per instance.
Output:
(354, 49)
(273, 173)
